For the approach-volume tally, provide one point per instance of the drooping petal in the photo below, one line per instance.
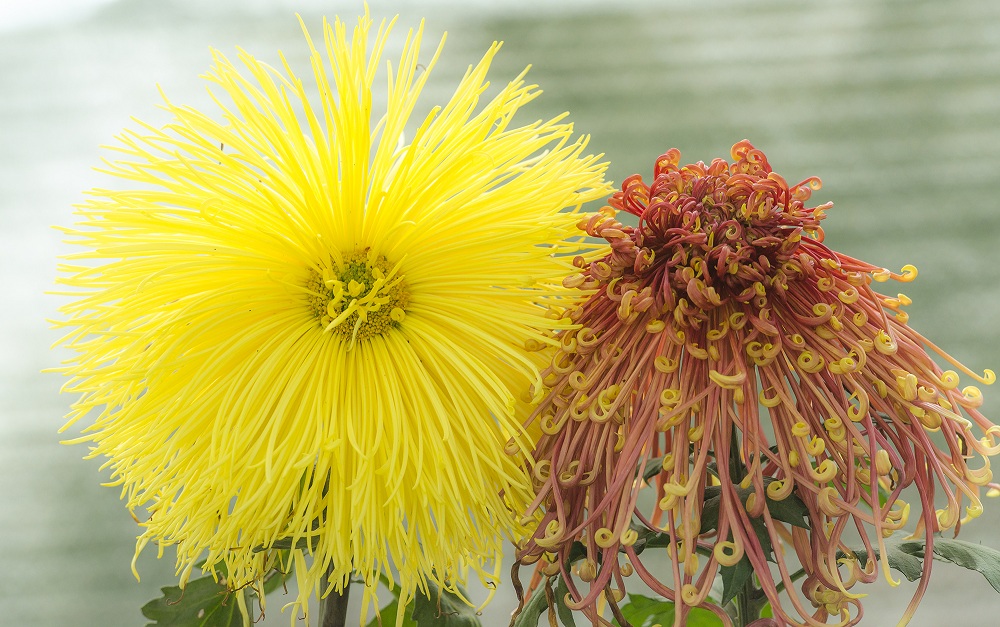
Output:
(721, 338)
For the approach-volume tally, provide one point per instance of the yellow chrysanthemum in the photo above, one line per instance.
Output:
(295, 327)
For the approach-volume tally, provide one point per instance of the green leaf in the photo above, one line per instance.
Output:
(532, 610)
(791, 510)
(642, 611)
(760, 529)
(905, 557)
(733, 579)
(649, 539)
(577, 551)
(202, 603)
(699, 617)
(207, 603)
(653, 468)
(441, 608)
(286, 543)
(982, 559)
(539, 604)
(710, 508)
(565, 614)
(388, 616)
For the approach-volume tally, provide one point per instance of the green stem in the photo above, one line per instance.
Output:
(747, 607)
(746, 610)
(780, 587)
(333, 607)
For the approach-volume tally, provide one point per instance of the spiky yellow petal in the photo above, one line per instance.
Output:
(294, 326)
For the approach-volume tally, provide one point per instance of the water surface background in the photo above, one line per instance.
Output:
(895, 104)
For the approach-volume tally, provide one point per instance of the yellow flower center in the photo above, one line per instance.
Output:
(360, 297)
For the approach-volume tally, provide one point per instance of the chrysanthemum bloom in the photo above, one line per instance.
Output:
(295, 326)
(724, 337)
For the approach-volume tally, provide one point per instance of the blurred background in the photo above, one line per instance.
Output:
(895, 104)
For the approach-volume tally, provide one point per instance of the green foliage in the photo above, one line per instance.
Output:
(202, 603)
(441, 608)
(791, 510)
(565, 614)
(983, 559)
(539, 605)
(642, 611)
(387, 616)
(532, 610)
(207, 603)
(906, 556)
(734, 578)
(653, 468)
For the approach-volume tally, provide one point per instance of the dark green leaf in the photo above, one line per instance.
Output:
(733, 578)
(539, 604)
(206, 603)
(577, 551)
(443, 609)
(302, 543)
(286, 543)
(532, 610)
(760, 530)
(710, 508)
(565, 614)
(658, 540)
(202, 603)
(649, 539)
(653, 468)
(790, 510)
(983, 559)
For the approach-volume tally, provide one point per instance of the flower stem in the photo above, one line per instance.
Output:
(747, 607)
(333, 607)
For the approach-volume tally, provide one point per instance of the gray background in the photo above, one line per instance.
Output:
(895, 104)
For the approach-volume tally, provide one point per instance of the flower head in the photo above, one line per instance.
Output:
(298, 329)
(729, 359)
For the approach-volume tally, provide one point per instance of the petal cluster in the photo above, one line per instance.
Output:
(728, 360)
(302, 321)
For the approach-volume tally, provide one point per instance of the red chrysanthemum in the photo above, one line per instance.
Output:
(724, 339)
